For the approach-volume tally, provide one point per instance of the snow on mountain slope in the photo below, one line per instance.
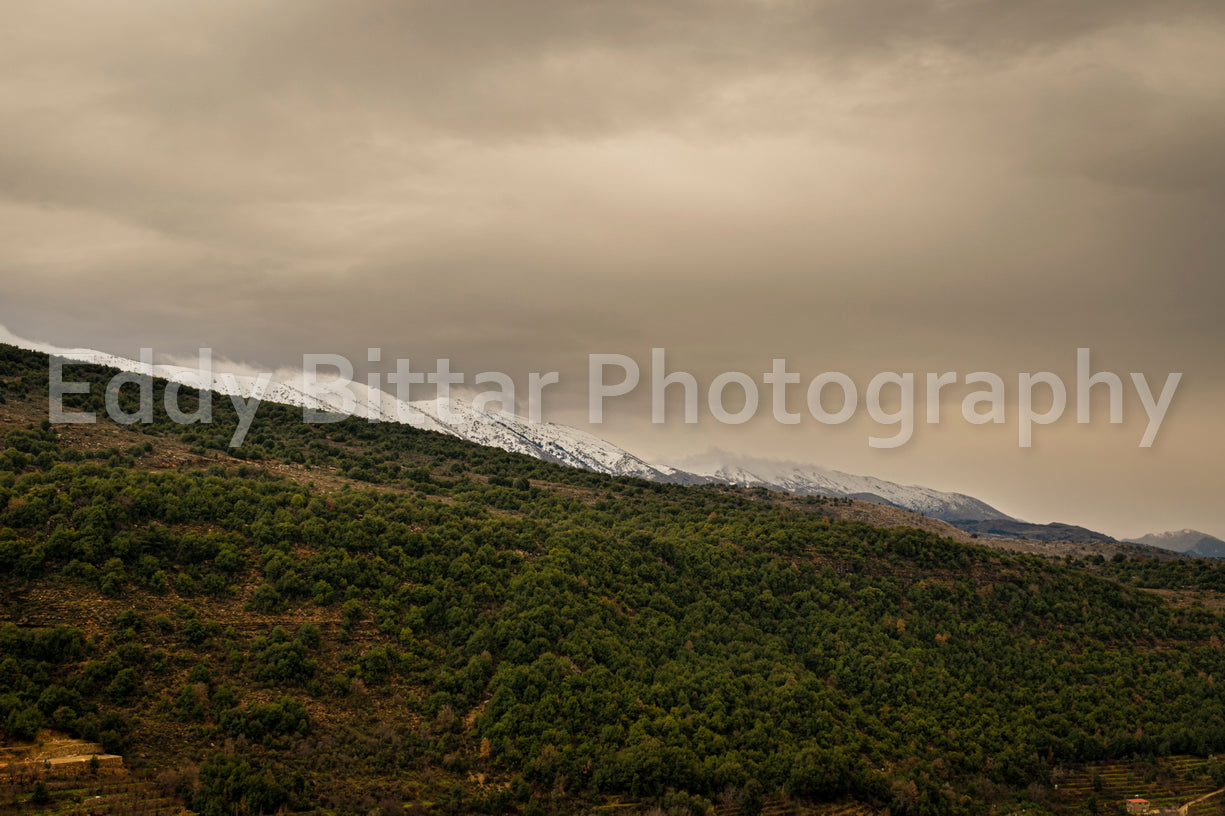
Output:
(813, 480)
(285, 390)
(548, 441)
(554, 443)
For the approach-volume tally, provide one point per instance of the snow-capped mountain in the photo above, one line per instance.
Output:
(1190, 542)
(813, 480)
(549, 441)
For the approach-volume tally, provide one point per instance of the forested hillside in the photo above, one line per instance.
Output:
(363, 617)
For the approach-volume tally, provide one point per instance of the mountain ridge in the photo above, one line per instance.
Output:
(574, 447)
(553, 442)
(815, 480)
(1185, 541)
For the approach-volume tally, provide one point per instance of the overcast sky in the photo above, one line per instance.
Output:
(852, 185)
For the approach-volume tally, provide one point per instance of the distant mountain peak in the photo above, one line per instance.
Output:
(1187, 541)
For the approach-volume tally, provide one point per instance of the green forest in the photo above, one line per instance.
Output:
(360, 617)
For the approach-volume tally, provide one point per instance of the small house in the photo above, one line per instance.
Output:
(1137, 806)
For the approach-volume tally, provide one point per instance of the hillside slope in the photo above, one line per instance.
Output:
(376, 618)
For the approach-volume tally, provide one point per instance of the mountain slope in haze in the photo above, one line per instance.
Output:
(813, 480)
(1012, 528)
(1188, 542)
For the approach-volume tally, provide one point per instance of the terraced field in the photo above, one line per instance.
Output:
(66, 776)
(772, 807)
(1168, 784)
